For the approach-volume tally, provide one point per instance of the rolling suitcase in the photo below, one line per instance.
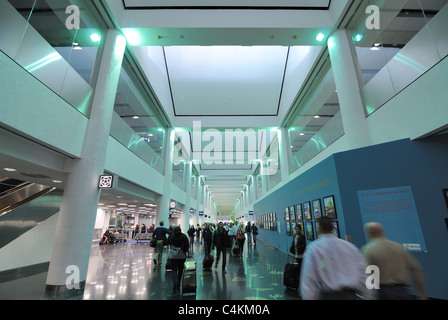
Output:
(189, 278)
(168, 266)
(207, 262)
(235, 250)
(291, 276)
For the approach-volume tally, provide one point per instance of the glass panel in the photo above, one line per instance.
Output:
(317, 126)
(411, 40)
(135, 125)
(56, 46)
(178, 175)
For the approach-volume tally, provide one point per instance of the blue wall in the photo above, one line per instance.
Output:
(422, 165)
(318, 182)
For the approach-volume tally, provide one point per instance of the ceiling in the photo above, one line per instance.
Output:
(237, 65)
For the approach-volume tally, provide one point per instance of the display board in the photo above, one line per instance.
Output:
(395, 209)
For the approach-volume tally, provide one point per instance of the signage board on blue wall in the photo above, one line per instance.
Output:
(395, 209)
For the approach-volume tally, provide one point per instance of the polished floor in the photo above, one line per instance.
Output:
(126, 271)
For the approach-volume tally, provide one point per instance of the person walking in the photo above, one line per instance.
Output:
(249, 233)
(254, 230)
(333, 269)
(298, 245)
(240, 238)
(396, 266)
(179, 251)
(191, 232)
(159, 235)
(207, 236)
(220, 241)
(232, 233)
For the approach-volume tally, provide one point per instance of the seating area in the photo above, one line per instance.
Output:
(143, 237)
(118, 237)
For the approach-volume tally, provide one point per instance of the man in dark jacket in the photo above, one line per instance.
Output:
(220, 240)
(160, 235)
(207, 235)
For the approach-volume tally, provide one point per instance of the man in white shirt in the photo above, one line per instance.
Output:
(333, 269)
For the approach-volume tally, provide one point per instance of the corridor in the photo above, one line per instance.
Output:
(126, 271)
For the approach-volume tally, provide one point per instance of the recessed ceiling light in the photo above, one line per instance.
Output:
(320, 37)
(95, 37)
(135, 117)
(358, 37)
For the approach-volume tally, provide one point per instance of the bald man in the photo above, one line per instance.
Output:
(396, 265)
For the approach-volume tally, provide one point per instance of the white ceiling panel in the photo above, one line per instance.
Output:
(226, 80)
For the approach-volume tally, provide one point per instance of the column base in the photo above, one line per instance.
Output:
(61, 292)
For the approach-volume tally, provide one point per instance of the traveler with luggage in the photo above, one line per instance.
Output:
(207, 235)
(179, 251)
(291, 275)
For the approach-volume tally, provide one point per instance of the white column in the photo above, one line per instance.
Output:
(163, 207)
(254, 188)
(185, 219)
(284, 151)
(74, 231)
(348, 80)
(198, 198)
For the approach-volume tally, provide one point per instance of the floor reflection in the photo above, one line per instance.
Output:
(127, 272)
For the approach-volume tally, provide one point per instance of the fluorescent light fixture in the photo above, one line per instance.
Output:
(9, 169)
(95, 37)
(132, 36)
(135, 117)
(320, 37)
(358, 37)
(57, 181)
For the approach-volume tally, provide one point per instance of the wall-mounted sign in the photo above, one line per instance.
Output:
(106, 182)
(251, 213)
(201, 213)
(395, 209)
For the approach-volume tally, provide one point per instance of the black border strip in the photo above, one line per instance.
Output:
(225, 7)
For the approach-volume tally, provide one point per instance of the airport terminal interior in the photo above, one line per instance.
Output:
(117, 115)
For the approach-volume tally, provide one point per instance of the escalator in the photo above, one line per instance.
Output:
(23, 205)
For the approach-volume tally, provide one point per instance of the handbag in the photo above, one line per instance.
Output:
(177, 253)
(153, 243)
